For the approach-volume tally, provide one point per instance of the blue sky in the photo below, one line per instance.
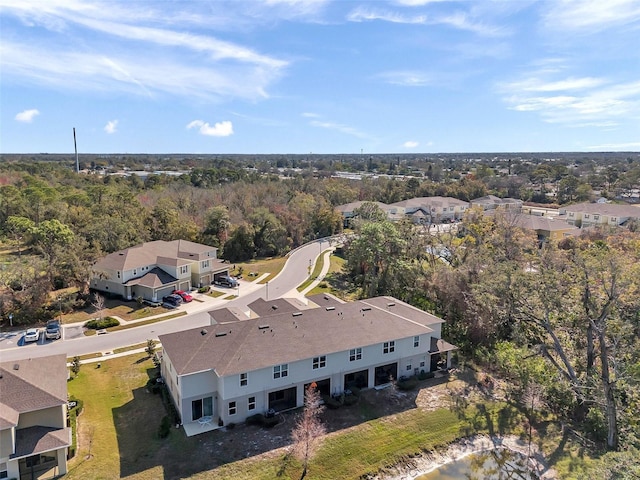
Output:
(321, 76)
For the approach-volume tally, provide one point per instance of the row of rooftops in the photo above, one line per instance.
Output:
(286, 331)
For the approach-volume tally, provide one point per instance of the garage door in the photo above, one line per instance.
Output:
(163, 292)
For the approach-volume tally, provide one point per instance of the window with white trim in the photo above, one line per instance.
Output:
(355, 354)
(281, 371)
(233, 409)
(251, 403)
(4, 472)
(319, 362)
(206, 264)
(184, 269)
(422, 363)
(409, 367)
(416, 341)
(389, 347)
(243, 380)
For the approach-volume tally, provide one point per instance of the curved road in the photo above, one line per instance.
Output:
(295, 272)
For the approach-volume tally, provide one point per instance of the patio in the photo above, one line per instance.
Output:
(202, 425)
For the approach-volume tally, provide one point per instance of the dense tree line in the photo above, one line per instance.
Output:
(561, 319)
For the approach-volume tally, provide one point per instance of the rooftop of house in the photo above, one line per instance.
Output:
(610, 209)
(31, 384)
(493, 200)
(350, 207)
(430, 202)
(159, 252)
(284, 337)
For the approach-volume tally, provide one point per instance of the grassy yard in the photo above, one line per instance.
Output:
(119, 424)
(272, 266)
(317, 268)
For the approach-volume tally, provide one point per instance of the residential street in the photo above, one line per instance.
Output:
(295, 272)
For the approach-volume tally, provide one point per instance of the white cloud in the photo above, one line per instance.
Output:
(339, 127)
(363, 14)
(220, 129)
(590, 15)
(310, 115)
(111, 126)
(27, 116)
(407, 78)
(410, 144)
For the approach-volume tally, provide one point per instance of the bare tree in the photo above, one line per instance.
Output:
(309, 428)
(98, 304)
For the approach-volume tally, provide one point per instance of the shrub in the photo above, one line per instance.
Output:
(165, 427)
(270, 422)
(331, 402)
(350, 400)
(204, 289)
(408, 384)
(257, 419)
(75, 365)
(425, 375)
(98, 324)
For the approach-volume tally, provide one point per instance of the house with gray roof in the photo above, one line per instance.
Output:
(590, 214)
(237, 367)
(153, 270)
(491, 202)
(34, 437)
(434, 209)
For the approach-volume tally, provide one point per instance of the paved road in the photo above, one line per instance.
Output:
(295, 272)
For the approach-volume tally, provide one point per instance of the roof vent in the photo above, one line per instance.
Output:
(392, 304)
(263, 327)
(203, 332)
(274, 307)
(296, 314)
(366, 309)
(330, 308)
(221, 334)
(16, 366)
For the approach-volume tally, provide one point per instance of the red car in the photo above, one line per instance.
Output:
(185, 296)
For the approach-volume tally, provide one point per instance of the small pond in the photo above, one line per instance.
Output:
(497, 464)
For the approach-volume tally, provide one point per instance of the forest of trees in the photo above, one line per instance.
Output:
(562, 319)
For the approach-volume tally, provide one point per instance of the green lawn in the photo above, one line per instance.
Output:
(317, 268)
(272, 266)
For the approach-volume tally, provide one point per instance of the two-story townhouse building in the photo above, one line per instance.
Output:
(348, 211)
(491, 202)
(590, 214)
(232, 369)
(432, 209)
(34, 437)
(154, 269)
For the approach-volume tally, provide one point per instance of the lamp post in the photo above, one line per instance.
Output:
(11, 319)
(60, 308)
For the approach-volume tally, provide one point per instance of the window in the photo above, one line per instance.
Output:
(3, 470)
(422, 364)
(409, 367)
(389, 347)
(251, 403)
(118, 274)
(571, 214)
(416, 341)
(232, 408)
(184, 269)
(206, 264)
(586, 215)
(596, 217)
(281, 371)
(355, 354)
(135, 271)
(243, 380)
(319, 362)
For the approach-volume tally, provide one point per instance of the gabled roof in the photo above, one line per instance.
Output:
(39, 439)
(156, 277)
(493, 200)
(287, 337)
(265, 308)
(430, 202)
(175, 253)
(611, 209)
(31, 384)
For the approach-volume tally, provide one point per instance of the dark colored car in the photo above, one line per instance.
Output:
(226, 281)
(173, 299)
(184, 295)
(52, 331)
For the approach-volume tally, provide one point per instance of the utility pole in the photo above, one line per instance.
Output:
(75, 146)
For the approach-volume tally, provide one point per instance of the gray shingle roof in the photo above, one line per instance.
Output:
(610, 209)
(287, 337)
(31, 384)
(35, 440)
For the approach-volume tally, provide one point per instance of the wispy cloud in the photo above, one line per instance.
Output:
(575, 101)
(111, 126)
(410, 144)
(220, 129)
(310, 115)
(407, 78)
(27, 116)
(339, 127)
(591, 15)
(458, 20)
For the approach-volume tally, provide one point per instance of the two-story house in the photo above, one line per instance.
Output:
(34, 437)
(154, 269)
(432, 209)
(589, 214)
(232, 369)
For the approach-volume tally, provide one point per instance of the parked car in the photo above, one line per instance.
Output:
(226, 281)
(185, 296)
(52, 331)
(173, 299)
(32, 335)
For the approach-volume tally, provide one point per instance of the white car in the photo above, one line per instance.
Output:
(32, 335)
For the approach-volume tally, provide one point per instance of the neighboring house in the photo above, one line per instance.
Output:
(491, 202)
(154, 269)
(232, 369)
(433, 209)
(546, 228)
(34, 436)
(589, 214)
(348, 211)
